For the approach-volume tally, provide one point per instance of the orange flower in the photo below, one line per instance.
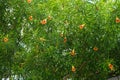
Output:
(111, 67)
(29, 1)
(73, 69)
(95, 49)
(5, 39)
(117, 20)
(44, 21)
(65, 39)
(72, 52)
(82, 26)
(30, 18)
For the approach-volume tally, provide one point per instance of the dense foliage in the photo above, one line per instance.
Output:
(60, 39)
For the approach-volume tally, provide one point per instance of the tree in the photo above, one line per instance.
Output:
(61, 39)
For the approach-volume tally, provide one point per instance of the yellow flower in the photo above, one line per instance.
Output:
(72, 52)
(5, 39)
(73, 69)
